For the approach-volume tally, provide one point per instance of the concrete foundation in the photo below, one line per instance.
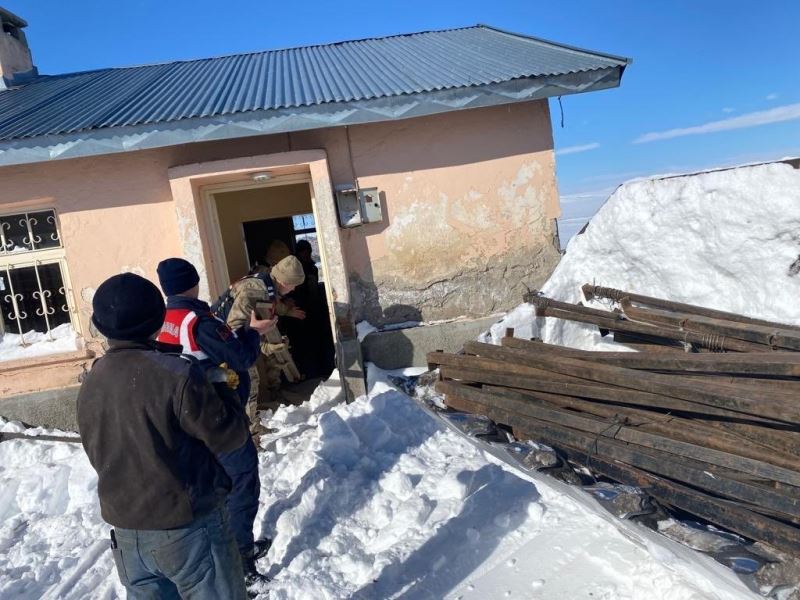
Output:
(54, 409)
(408, 347)
(397, 349)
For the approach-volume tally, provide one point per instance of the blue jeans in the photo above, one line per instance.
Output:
(242, 467)
(197, 561)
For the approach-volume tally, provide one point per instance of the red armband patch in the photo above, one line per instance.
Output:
(225, 333)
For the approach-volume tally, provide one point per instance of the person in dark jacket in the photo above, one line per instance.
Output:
(151, 425)
(190, 323)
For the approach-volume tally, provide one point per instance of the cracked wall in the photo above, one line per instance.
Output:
(469, 202)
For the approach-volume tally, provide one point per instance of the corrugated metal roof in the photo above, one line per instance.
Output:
(285, 79)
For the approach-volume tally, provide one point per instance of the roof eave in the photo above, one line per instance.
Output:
(148, 136)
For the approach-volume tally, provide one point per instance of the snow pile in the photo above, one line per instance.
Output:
(378, 499)
(375, 499)
(53, 542)
(64, 339)
(726, 239)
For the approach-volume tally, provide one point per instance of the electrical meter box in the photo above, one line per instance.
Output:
(370, 202)
(348, 206)
(358, 206)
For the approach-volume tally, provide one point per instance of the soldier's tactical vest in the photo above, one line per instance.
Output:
(222, 307)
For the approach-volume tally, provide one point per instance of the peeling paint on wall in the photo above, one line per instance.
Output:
(472, 254)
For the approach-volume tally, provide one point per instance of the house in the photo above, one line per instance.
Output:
(422, 163)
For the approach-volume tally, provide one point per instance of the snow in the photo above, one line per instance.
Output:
(722, 239)
(53, 542)
(379, 499)
(64, 339)
(373, 499)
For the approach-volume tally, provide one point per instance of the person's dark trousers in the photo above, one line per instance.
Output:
(242, 467)
(197, 561)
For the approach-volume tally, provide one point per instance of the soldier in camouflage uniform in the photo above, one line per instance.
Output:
(262, 287)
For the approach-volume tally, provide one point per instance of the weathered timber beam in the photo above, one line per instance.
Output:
(783, 441)
(543, 302)
(587, 389)
(764, 434)
(783, 386)
(728, 515)
(781, 407)
(465, 361)
(784, 364)
(648, 343)
(759, 334)
(530, 407)
(711, 341)
(668, 426)
(766, 511)
(692, 472)
(596, 291)
(725, 514)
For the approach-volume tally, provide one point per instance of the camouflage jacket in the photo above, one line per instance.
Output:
(246, 294)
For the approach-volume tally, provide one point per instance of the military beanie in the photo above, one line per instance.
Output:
(289, 272)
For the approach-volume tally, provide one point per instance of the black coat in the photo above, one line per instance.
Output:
(151, 425)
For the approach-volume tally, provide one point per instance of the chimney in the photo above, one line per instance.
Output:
(16, 63)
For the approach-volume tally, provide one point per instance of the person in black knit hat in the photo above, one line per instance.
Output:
(212, 343)
(151, 425)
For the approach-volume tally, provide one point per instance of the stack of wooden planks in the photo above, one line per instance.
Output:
(660, 325)
(716, 435)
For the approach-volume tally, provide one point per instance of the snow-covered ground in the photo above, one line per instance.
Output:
(375, 499)
(62, 339)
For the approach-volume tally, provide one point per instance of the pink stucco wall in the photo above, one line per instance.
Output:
(469, 199)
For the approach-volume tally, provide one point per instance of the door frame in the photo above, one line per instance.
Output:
(215, 242)
(197, 237)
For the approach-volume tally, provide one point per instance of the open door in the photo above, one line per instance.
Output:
(250, 221)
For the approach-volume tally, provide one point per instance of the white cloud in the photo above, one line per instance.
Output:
(788, 112)
(575, 149)
(772, 96)
(728, 109)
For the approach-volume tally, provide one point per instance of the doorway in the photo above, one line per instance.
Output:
(250, 220)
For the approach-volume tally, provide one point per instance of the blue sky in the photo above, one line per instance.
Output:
(715, 82)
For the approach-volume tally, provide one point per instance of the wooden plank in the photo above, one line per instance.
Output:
(783, 364)
(692, 472)
(669, 426)
(784, 386)
(728, 515)
(500, 375)
(530, 407)
(648, 343)
(595, 291)
(713, 342)
(760, 334)
(465, 361)
(776, 406)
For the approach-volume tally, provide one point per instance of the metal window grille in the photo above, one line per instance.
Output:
(33, 292)
(28, 232)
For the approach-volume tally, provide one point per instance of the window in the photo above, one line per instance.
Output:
(34, 303)
(306, 229)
